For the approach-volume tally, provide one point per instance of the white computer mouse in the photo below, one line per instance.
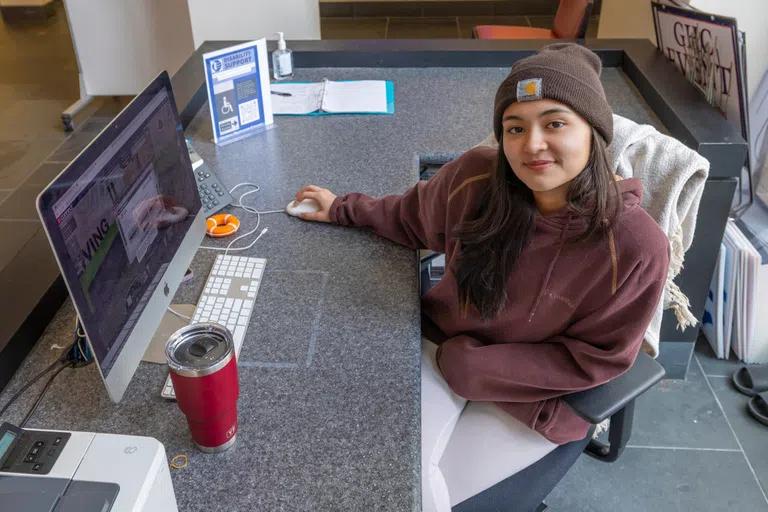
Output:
(306, 206)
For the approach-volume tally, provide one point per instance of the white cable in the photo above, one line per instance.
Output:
(226, 249)
(249, 209)
(244, 184)
(263, 231)
(184, 317)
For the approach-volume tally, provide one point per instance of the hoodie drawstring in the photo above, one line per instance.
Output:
(563, 238)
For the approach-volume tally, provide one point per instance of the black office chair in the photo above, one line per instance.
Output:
(526, 490)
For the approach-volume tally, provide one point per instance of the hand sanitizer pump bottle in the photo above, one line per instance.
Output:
(282, 60)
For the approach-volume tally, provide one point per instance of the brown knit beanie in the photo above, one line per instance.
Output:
(566, 72)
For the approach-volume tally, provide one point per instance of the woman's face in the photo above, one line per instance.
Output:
(547, 145)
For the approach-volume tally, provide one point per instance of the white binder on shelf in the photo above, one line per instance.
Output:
(744, 268)
(712, 323)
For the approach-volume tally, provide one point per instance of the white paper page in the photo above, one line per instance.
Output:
(729, 285)
(741, 293)
(718, 316)
(749, 261)
(743, 312)
(760, 341)
(359, 96)
(753, 262)
(737, 307)
(732, 242)
(303, 99)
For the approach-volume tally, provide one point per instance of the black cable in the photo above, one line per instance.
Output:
(68, 364)
(64, 356)
(28, 384)
(42, 393)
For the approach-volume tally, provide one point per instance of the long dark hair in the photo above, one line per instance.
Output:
(492, 242)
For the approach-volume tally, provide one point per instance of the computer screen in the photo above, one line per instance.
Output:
(117, 215)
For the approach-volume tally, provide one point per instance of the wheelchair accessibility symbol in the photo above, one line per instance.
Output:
(226, 108)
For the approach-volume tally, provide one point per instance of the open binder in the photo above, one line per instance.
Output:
(329, 97)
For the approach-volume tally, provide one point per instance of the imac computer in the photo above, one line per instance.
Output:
(124, 220)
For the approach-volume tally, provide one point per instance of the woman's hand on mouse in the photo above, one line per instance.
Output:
(324, 198)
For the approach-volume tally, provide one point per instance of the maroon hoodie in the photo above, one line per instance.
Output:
(575, 315)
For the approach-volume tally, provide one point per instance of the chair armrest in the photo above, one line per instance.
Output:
(598, 404)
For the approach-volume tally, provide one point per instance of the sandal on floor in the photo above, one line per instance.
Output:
(751, 380)
(758, 407)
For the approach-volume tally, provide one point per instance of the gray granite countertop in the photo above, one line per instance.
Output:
(329, 371)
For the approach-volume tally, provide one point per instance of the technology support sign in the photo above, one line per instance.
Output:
(237, 80)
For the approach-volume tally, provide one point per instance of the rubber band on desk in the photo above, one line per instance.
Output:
(176, 465)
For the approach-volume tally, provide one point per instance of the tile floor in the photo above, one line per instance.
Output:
(38, 80)
(694, 445)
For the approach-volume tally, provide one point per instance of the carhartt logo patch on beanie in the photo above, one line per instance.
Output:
(565, 72)
(528, 90)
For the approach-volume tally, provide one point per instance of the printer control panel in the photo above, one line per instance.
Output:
(31, 452)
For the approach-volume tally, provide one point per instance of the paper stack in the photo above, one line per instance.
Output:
(733, 318)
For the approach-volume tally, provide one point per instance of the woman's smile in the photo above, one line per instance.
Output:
(539, 165)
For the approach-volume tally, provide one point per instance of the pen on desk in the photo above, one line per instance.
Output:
(281, 93)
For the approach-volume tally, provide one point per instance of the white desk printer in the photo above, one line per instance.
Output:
(48, 471)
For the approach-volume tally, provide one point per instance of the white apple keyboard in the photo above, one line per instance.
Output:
(227, 299)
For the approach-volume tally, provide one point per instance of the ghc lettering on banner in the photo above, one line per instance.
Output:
(683, 33)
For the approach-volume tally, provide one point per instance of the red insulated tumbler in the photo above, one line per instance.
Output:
(203, 368)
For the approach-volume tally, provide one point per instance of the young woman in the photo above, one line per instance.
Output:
(553, 272)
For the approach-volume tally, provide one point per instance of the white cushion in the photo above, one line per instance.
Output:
(486, 446)
(440, 410)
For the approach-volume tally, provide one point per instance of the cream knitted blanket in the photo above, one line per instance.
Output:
(673, 178)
